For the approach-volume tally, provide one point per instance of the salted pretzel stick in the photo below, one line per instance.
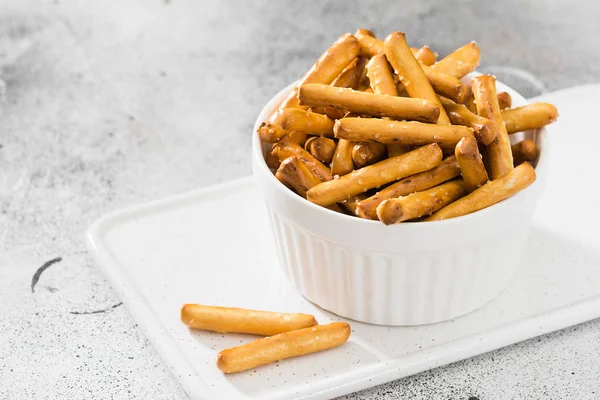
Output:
(350, 77)
(240, 320)
(367, 153)
(386, 171)
(447, 170)
(525, 150)
(498, 149)
(382, 82)
(295, 119)
(315, 94)
(532, 116)
(369, 44)
(402, 132)
(351, 204)
(470, 163)
(504, 100)
(416, 205)
(282, 346)
(296, 173)
(426, 56)
(325, 70)
(380, 76)
(460, 62)
(489, 194)
(460, 115)
(285, 150)
(294, 137)
(446, 85)
(322, 148)
(342, 163)
(410, 72)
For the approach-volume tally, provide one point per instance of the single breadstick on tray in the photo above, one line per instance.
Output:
(324, 71)
(322, 148)
(525, 150)
(416, 205)
(460, 115)
(376, 175)
(448, 169)
(367, 153)
(240, 320)
(296, 173)
(470, 163)
(460, 62)
(504, 100)
(285, 150)
(282, 346)
(532, 116)
(401, 132)
(426, 56)
(369, 44)
(410, 72)
(498, 149)
(489, 194)
(402, 108)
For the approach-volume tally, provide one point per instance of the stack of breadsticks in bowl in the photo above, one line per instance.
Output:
(377, 130)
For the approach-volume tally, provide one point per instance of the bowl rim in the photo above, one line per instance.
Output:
(260, 166)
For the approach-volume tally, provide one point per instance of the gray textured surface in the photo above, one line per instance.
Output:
(109, 106)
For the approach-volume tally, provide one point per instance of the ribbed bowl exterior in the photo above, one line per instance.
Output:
(411, 288)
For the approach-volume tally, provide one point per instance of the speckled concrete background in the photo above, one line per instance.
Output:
(109, 106)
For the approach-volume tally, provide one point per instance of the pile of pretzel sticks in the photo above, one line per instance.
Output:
(379, 130)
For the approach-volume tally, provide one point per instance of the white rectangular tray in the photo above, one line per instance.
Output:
(214, 246)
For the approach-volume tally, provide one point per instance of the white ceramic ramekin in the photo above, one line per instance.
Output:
(404, 274)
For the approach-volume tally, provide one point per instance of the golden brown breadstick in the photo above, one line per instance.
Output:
(532, 116)
(295, 137)
(297, 174)
(342, 163)
(282, 346)
(426, 56)
(446, 85)
(498, 149)
(325, 70)
(460, 115)
(470, 163)
(382, 82)
(369, 44)
(386, 171)
(470, 103)
(240, 320)
(351, 76)
(525, 150)
(416, 205)
(380, 76)
(489, 194)
(447, 170)
(402, 132)
(504, 100)
(351, 204)
(460, 62)
(315, 94)
(410, 72)
(322, 148)
(367, 153)
(285, 150)
(294, 119)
